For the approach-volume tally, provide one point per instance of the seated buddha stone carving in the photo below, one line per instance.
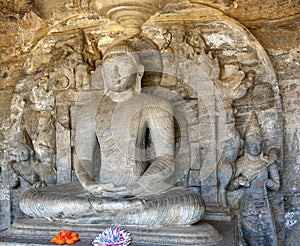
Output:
(126, 186)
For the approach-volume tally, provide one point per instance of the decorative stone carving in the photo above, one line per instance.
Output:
(131, 187)
(180, 45)
(130, 14)
(211, 87)
(187, 54)
(233, 84)
(195, 39)
(165, 47)
(254, 174)
(16, 115)
(26, 170)
(224, 108)
(74, 65)
(92, 56)
(42, 97)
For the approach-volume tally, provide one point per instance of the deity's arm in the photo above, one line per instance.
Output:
(237, 179)
(273, 154)
(273, 182)
(13, 177)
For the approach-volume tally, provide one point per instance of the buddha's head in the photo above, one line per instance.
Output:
(122, 70)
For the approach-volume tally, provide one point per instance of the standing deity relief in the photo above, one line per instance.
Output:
(255, 175)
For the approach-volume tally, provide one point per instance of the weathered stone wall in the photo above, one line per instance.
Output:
(277, 28)
(286, 62)
(20, 29)
(275, 24)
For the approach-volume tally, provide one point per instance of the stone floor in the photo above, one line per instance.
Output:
(226, 229)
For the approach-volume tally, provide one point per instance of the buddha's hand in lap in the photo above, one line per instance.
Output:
(115, 204)
(97, 188)
(123, 191)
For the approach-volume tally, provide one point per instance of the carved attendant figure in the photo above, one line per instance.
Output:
(235, 84)
(23, 171)
(26, 170)
(255, 174)
(127, 186)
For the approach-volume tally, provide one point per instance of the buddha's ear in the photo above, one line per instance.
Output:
(140, 70)
(106, 87)
(139, 75)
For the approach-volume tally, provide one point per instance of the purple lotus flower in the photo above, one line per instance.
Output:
(113, 236)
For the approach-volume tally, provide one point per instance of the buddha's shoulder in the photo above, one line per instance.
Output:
(152, 100)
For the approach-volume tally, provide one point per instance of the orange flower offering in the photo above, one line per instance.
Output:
(65, 237)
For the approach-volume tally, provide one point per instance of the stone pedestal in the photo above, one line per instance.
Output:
(40, 231)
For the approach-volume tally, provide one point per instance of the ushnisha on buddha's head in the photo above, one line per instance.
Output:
(122, 70)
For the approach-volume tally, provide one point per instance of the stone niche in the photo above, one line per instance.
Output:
(207, 65)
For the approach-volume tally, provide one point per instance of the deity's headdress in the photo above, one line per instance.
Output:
(253, 128)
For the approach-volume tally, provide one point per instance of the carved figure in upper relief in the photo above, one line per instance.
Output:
(25, 170)
(234, 82)
(183, 51)
(42, 96)
(234, 85)
(93, 56)
(255, 173)
(180, 45)
(43, 99)
(165, 47)
(195, 39)
(127, 186)
(45, 141)
(77, 65)
(74, 66)
(17, 107)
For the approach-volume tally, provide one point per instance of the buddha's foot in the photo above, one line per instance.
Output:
(100, 205)
(91, 219)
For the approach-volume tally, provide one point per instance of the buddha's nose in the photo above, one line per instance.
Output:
(116, 73)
